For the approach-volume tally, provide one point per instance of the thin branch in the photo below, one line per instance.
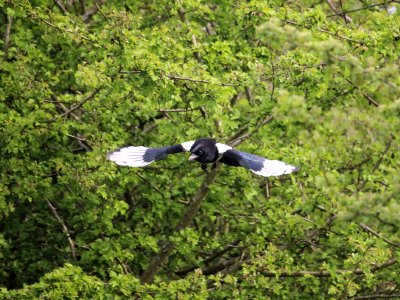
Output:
(178, 77)
(68, 31)
(65, 228)
(176, 109)
(7, 36)
(87, 15)
(237, 141)
(208, 259)
(272, 75)
(182, 16)
(238, 133)
(361, 8)
(373, 232)
(371, 101)
(321, 273)
(328, 32)
(61, 6)
(377, 296)
(150, 184)
(249, 95)
(175, 77)
(223, 266)
(75, 107)
(332, 5)
(379, 161)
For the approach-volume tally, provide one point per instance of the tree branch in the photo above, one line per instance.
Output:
(249, 95)
(208, 259)
(7, 35)
(88, 14)
(64, 227)
(178, 77)
(332, 5)
(182, 16)
(328, 32)
(370, 100)
(67, 30)
(61, 6)
(321, 273)
(168, 247)
(238, 140)
(175, 77)
(361, 8)
(377, 296)
(75, 107)
(373, 232)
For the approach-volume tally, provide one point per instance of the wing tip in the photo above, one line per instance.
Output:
(129, 156)
(283, 169)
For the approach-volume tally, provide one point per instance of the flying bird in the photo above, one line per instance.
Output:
(204, 151)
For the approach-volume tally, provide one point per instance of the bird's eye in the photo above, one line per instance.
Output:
(200, 152)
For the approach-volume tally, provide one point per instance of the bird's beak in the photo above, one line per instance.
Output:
(193, 157)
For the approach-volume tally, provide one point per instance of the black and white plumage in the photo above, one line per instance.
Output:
(205, 151)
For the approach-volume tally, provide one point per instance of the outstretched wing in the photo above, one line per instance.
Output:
(256, 164)
(141, 156)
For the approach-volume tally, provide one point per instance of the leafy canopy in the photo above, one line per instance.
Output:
(315, 84)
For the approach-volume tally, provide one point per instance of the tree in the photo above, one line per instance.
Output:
(315, 84)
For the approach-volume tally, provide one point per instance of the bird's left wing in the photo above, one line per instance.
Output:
(142, 156)
(257, 164)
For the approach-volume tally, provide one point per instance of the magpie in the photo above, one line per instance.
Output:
(204, 151)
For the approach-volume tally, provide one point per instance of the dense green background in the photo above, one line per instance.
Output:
(289, 80)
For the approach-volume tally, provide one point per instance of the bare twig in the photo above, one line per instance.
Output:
(371, 101)
(373, 232)
(61, 6)
(7, 35)
(377, 296)
(63, 108)
(332, 5)
(361, 8)
(322, 273)
(86, 99)
(68, 31)
(387, 147)
(65, 228)
(150, 184)
(175, 77)
(182, 16)
(88, 14)
(182, 78)
(209, 259)
(176, 109)
(249, 96)
(377, 163)
(272, 75)
(240, 139)
(328, 32)
(123, 265)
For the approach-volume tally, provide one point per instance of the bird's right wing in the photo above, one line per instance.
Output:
(257, 164)
(142, 156)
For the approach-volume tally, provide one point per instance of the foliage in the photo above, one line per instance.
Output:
(296, 81)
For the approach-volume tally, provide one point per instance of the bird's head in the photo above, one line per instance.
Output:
(204, 151)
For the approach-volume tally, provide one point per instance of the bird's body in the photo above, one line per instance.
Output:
(204, 151)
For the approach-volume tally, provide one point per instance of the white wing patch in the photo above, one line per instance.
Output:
(275, 168)
(129, 156)
(187, 145)
(222, 148)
